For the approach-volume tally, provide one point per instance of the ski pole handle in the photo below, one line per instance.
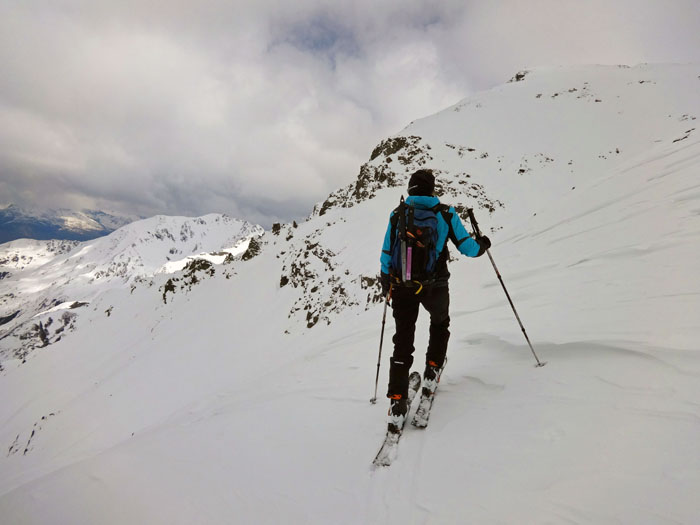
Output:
(475, 225)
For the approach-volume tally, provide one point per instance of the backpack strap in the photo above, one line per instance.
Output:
(444, 210)
(447, 216)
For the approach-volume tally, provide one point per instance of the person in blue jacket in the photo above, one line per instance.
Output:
(433, 295)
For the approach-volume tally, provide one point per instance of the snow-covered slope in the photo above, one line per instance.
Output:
(239, 393)
(140, 249)
(46, 276)
(24, 254)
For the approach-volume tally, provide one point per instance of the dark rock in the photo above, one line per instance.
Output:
(8, 318)
(519, 76)
(253, 250)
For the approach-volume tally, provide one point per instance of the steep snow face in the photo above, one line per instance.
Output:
(242, 389)
(50, 274)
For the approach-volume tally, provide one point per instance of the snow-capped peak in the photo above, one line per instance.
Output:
(39, 275)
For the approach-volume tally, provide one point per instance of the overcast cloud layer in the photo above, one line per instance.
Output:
(260, 109)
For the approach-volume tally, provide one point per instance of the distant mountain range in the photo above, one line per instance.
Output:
(18, 223)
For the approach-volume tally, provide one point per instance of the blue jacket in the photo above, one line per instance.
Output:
(455, 230)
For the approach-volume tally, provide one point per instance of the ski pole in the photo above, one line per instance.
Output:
(381, 342)
(470, 211)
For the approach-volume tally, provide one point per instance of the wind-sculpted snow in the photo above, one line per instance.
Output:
(234, 385)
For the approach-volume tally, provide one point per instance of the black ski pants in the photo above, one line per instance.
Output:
(405, 304)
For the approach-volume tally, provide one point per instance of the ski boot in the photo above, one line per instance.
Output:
(431, 378)
(397, 413)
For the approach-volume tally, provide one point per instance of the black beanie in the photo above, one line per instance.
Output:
(422, 182)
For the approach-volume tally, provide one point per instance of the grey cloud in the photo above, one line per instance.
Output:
(260, 109)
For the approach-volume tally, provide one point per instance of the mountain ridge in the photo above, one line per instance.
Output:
(18, 223)
(39, 276)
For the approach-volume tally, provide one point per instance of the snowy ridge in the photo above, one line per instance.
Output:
(46, 274)
(244, 392)
(141, 248)
(552, 130)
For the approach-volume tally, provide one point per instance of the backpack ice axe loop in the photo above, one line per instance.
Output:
(475, 226)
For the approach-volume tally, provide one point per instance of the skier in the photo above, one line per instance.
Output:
(427, 286)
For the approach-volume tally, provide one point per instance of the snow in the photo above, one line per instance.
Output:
(43, 274)
(25, 254)
(80, 222)
(228, 402)
(63, 306)
(237, 249)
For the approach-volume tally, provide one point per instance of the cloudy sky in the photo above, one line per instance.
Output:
(261, 108)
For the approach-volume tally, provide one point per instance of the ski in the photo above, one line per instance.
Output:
(420, 419)
(387, 453)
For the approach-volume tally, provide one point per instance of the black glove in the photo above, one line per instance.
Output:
(484, 244)
(386, 283)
